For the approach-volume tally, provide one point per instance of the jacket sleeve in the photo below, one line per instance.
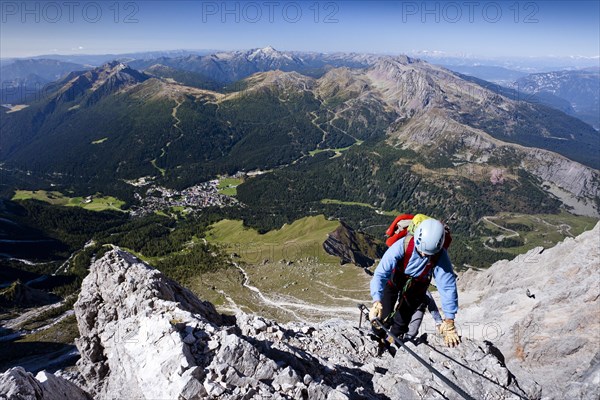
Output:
(446, 284)
(384, 269)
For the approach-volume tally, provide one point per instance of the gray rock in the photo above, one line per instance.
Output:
(214, 389)
(212, 344)
(286, 380)
(18, 384)
(259, 325)
(145, 337)
(189, 339)
(118, 326)
(193, 390)
(550, 339)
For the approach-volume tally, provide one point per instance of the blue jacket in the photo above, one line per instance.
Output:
(442, 272)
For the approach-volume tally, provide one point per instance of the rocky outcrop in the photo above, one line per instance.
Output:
(144, 336)
(575, 178)
(541, 310)
(18, 384)
(353, 247)
(21, 295)
(136, 328)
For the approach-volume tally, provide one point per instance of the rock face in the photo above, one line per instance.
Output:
(541, 309)
(18, 384)
(145, 337)
(352, 247)
(136, 327)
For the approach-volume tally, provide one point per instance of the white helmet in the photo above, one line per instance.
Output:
(429, 236)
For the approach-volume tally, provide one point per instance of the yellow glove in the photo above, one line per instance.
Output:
(375, 311)
(448, 331)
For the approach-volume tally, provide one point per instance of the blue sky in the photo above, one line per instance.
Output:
(479, 28)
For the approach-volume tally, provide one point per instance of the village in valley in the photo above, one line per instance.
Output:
(158, 199)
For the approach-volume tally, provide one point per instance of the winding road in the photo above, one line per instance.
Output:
(513, 233)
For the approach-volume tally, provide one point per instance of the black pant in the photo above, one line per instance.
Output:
(408, 303)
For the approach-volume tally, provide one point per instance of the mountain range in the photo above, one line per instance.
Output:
(580, 88)
(311, 138)
(21, 80)
(398, 120)
(30, 74)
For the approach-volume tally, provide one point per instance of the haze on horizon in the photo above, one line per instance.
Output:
(488, 29)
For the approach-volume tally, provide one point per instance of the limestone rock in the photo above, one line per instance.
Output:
(145, 337)
(552, 337)
(134, 323)
(18, 384)
(352, 247)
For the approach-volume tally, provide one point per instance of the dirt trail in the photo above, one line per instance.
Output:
(294, 307)
(265, 299)
(163, 151)
(177, 120)
(564, 229)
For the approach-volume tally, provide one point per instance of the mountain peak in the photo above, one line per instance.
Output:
(113, 64)
(115, 67)
(106, 79)
(268, 53)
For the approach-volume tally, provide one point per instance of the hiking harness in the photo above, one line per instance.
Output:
(364, 310)
(402, 282)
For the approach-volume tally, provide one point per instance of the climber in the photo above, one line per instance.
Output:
(417, 317)
(400, 281)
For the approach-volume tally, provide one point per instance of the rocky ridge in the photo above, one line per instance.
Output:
(529, 330)
(143, 336)
(353, 247)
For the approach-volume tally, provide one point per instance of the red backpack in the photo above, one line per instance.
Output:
(399, 228)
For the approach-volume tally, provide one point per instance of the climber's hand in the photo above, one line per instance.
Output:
(448, 331)
(375, 311)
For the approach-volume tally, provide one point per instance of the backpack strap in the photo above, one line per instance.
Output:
(409, 247)
(427, 270)
(397, 277)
